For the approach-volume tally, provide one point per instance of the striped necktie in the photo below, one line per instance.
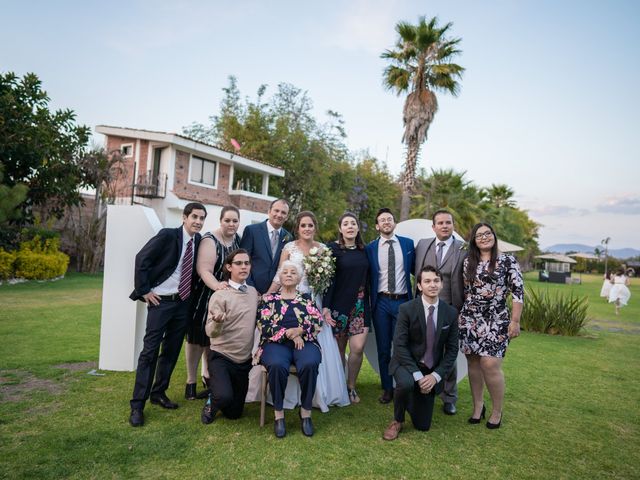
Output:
(185, 275)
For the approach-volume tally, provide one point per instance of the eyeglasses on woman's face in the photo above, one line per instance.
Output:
(241, 262)
(487, 234)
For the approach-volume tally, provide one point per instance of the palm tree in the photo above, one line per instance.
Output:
(420, 65)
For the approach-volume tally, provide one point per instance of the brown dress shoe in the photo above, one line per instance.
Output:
(392, 431)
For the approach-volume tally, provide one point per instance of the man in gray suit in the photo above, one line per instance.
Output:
(445, 252)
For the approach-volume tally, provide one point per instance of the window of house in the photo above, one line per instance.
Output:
(203, 171)
(247, 181)
(126, 150)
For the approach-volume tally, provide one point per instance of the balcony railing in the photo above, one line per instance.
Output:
(149, 185)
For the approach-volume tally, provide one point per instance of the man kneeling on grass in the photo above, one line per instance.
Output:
(231, 325)
(425, 348)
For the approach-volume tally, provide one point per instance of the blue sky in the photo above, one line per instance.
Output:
(549, 102)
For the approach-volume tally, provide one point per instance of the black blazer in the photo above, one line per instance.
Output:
(159, 258)
(409, 340)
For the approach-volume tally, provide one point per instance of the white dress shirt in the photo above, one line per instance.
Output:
(171, 284)
(383, 261)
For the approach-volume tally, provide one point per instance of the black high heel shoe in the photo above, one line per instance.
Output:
(477, 420)
(493, 426)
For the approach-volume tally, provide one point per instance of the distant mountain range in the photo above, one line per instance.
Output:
(579, 247)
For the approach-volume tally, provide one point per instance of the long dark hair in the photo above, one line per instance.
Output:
(359, 241)
(473, 259)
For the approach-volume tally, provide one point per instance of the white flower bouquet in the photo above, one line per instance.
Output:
(319, 265)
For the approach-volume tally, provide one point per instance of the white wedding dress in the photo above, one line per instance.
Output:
(331, 386)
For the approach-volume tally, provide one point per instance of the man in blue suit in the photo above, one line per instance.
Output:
(264, 242)
(391, 261)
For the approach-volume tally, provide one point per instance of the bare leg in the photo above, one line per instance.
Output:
(193, 352)
(278, 414)
(494, 378)
(204, 363)
(356, 349)
(476, 383)
(617, 306)
(304, 413)
(341, 339)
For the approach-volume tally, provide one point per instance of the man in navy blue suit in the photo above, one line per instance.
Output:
(391, 260)
(164, 278)
(264, 242)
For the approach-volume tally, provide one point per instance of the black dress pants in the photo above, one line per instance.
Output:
(166, 324)
(407, 398)
(228, 383)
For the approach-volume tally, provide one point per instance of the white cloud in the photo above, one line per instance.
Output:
(367, 26)
(557, 211)
(626, 204)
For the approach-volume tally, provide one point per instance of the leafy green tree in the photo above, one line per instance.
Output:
(420, 65)
(10, 198)
(39, 148)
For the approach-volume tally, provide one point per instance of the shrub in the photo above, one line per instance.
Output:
(7, 260)
(556, 314)
(38, 260)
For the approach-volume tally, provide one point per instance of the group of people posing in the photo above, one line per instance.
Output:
(245, 304)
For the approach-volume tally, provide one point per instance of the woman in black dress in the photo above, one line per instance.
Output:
(346, 304)
(214, 248)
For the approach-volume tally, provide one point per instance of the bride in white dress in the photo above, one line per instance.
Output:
(331, 386)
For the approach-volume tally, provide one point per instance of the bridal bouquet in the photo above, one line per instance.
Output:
(319, 265)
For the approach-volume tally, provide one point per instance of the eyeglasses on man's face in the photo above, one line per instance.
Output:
(241, 262)
(480, 236)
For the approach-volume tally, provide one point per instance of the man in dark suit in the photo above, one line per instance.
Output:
(164, 279)
(425, 347)
(391, 260)
(446, 254)
(264, 242)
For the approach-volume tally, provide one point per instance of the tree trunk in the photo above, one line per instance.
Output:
(408, 178)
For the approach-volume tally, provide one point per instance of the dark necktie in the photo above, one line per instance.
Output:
(391, 268)
(184, 289)
(431, 334)
(274, 243)
(243, 288)
(439, 254)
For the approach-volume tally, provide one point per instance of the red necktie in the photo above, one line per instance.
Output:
(185, 275)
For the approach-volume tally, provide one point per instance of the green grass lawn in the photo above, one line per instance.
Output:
(571, 409)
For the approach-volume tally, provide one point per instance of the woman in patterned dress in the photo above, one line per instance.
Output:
(346, 304)
(485, 323)
(214, 248)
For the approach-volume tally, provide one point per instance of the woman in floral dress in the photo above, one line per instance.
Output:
(289, 322)
(485, 322)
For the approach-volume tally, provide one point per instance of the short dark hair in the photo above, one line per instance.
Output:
(441, 211)
(428, 268)
(279, 200)
(229, 208)
(190, 207)
(226, 275)
(385, 210)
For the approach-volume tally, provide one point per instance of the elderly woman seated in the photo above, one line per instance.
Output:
(289, 322)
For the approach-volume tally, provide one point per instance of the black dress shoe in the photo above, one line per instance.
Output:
(190, 391)
(136, 419)
(164, 402)
(307, 426)
(279, 428)
(208, 414)
(477, 420)
(493, 426)
(386, 396)
(449, 408)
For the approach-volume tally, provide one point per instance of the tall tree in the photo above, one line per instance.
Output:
(39, 148)
(421, 64)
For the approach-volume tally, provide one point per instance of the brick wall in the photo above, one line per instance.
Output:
(187, 191)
